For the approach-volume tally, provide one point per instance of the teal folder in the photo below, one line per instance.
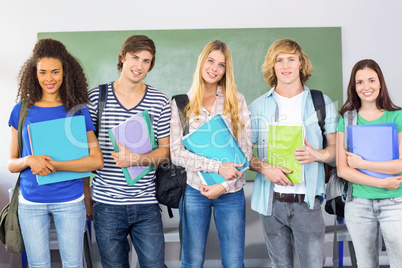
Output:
(214, 140)
(377, 142)
(62, 139)
(137, 135)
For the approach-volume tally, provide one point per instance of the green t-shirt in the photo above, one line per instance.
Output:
(365, 191)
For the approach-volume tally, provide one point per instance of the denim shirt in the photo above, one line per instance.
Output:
(262, 115)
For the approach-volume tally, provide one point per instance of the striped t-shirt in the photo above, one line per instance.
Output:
(109, 184)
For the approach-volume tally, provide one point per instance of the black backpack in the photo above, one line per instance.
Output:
(171, 180)
(319, 106)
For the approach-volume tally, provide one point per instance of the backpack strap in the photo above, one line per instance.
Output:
(181, 102)
(21, 120)
(319, 106)
(350, 119)
(101, 105)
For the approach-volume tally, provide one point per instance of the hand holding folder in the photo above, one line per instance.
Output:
(137, 135)
(377, 142)
(61, 139)
(214, 140)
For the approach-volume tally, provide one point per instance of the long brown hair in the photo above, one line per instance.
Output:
(353, 101)
(73, 90)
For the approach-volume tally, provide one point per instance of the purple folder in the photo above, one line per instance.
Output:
(137, 135)
(377, 142)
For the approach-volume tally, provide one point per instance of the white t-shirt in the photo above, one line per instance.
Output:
(290, 111)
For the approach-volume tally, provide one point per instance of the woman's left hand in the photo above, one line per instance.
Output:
(212, 191)
(354, 161)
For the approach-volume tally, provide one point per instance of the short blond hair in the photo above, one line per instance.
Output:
(285, 46)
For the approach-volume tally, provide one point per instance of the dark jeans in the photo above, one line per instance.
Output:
(113, 223)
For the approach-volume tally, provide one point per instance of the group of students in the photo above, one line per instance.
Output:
(53, 83)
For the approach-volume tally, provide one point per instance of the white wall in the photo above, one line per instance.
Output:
(370, 29)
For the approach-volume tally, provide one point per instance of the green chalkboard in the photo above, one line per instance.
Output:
(177, 53)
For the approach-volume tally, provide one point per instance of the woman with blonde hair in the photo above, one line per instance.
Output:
(213, 92)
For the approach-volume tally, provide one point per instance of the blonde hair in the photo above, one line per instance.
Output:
(285, 46)
(227, 84)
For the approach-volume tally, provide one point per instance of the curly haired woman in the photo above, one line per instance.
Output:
(54, 85)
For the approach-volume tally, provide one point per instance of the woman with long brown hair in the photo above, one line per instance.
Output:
(376, 203)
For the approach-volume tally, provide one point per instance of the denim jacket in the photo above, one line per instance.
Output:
(262, 115)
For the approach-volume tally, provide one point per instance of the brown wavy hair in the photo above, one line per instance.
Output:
(73, 90)
(353, 101)
(285, 46)
(134, 44)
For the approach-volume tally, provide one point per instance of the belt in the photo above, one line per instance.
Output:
(299, 198)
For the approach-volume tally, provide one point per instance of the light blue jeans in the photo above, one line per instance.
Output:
(295, 225)
(364, 218)
(70, 226)
(230, 217)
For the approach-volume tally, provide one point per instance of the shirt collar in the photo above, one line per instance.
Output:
(219, 92)
(306, 89)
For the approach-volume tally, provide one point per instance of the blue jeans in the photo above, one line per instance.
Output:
(70, 226)
(113, 223)
(295, 225)
(364, 218)
(229, 214)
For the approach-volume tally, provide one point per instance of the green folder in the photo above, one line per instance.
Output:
(137, 135)
(282, 142)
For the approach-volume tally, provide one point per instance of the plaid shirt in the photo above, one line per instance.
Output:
(194, 163)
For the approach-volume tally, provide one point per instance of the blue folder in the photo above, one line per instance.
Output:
(377, 142)
(214, 140)
(62, 139)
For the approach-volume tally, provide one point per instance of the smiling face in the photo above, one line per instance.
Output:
(214, 68)
(287, 69)
(136, 65)
(367, 85)
(50, 75)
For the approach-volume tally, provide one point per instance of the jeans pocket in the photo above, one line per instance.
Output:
(317, 204)
(96, 203)
(397, 199)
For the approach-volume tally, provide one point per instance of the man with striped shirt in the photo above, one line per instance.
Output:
(119, 209)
